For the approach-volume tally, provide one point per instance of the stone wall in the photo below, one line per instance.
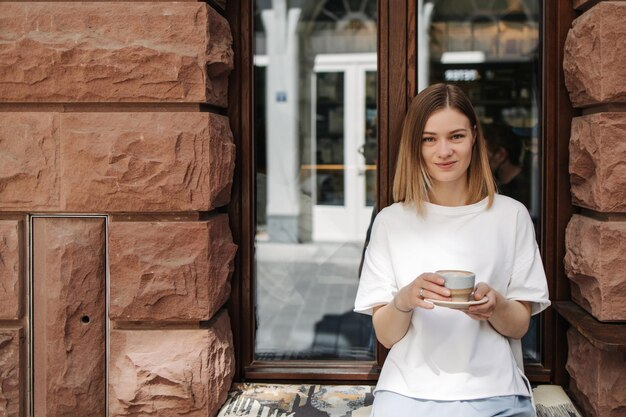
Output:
(595, 57)
(112, 132)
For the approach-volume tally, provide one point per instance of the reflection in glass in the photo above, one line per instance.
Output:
(315, 148)
(370, 147)
(329, 138)
(490, 48)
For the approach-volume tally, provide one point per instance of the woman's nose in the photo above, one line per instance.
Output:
(444, 149)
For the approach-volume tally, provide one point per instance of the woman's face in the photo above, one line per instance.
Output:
(447, 146)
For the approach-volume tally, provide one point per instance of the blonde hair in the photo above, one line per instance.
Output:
(412, 183)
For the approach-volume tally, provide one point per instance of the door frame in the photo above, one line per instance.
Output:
(397, 83)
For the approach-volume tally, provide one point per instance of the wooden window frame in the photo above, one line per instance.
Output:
(397, 83)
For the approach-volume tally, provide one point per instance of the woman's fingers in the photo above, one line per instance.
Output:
(432, 287)
(481, 291)
(427, 285)
(485, 310)
(436, 293)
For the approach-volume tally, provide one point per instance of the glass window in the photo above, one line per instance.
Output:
(490, 48)
(315, 148)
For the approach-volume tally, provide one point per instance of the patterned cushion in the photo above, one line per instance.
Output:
(274, 400)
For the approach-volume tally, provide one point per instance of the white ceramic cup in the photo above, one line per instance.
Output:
(460, 283)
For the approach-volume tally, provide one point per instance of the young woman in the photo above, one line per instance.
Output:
(447, 215)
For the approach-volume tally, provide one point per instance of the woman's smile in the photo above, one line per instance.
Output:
(446, 165)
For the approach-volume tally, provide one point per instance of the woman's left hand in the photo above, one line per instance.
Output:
(483, 311)
(510, 318)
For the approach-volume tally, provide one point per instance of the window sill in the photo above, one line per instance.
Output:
(609, 337)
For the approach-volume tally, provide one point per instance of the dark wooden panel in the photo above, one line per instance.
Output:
(397, 83)
(383, 190)
(317, 371)
(557, 114)
(241, 209)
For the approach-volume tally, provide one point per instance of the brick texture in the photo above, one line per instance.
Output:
(176, 271)
(171, 372)
(595, 262)
(10, 269)
(29, 158)
(595, 55)
(114, 52)
(598, 378)
(598, 161)
(125, 162)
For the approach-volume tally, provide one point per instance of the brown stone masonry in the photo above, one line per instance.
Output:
(171, 372)
(29, 161)
(176, 271)
(111, 108)
(598, 379)
(595, 263)
(598, 161)
(595, 56)
(10, 269)
(11, 362)
(145, 162)
(114, 52)
(108, 162)
(594, 62)
(69, 317)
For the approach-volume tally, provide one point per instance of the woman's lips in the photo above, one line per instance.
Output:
(446, 165)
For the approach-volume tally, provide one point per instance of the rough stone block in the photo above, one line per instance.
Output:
(583, 4)
(29, 158)
(595, 54)
(145, 162)
(114, 52)
(597, 162)
(11, 387)
(598, 378)
(69, 319)
(10, 269)
(175, 271)
(595, 262)
(171, 372)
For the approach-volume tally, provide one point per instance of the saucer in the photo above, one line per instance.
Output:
(457, 305)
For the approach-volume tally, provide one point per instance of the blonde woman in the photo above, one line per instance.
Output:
(447, 215)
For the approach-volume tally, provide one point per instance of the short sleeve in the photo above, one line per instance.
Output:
(528, 280)
(377, 284)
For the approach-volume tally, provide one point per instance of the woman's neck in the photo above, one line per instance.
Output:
(446, 194)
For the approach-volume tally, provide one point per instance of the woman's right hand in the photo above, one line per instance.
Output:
(427, 285)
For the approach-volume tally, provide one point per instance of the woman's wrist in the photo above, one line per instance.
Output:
(393, 301)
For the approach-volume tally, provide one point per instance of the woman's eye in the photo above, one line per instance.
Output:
(458, 136)
(428, 139)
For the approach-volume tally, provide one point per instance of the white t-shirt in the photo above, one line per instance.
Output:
(445, 354)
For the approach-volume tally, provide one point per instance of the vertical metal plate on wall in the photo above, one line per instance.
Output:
(69, 315)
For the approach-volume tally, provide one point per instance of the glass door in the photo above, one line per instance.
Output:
(344, 144)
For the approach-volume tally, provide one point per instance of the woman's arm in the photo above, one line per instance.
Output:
(510, 318)
(391, 321)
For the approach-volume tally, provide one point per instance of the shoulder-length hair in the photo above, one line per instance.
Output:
(412, 183)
